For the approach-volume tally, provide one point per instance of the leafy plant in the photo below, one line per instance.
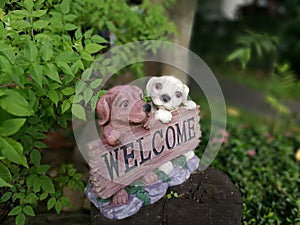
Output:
(172, 194)
(262, 165)
(47, 48)
(252, 43)
(283, 82)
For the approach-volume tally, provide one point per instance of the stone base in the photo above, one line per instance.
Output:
(142, 194)
(207, 198)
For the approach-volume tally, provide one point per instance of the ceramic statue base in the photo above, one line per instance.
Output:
(141, 194)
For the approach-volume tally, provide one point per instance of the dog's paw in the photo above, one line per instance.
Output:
(120, 197)
(190, 105)
(167, 168)
(113, 138)
(146, 125)
(150, 178)
(189, 155)
(163, 115)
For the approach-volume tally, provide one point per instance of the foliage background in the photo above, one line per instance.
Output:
(45, 48)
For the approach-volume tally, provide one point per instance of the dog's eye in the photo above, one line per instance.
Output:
(125, 104)
(158, 86)
(178, 94)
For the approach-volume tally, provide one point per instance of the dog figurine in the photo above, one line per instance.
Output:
(118, 108)
(168, 94)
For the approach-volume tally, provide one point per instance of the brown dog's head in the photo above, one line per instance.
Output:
(122, 105)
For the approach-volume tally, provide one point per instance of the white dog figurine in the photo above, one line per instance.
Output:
(168, 94)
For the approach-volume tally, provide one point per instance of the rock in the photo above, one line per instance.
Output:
(157, 191)
(178, 176)
(207, 198)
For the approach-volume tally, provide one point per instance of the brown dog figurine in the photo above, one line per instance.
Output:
(118, 108)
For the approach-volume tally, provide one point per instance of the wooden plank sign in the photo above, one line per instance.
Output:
(141, 151)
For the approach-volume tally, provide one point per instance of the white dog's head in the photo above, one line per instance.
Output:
(167, 92)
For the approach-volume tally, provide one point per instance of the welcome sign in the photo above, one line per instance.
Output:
(141, 151)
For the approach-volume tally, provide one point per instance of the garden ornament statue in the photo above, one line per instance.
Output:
(143, 148)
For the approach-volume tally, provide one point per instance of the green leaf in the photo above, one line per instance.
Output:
(30, 180)
(65, 6)
(78, 111)
(72, 172)
(40, 24)
(70, 18)
(95, 83)
(66, 202)
(58, 207)
(88, 33)
(46, 52)
(86, 56)
(17, 76)
(36, 185)
(15, 211)
(67, 57)
(5, 173)
(28, 4)
(3, 183)
(47, 184)
(77, 176)
(93, 48)
(241, 54)
(86, 74)
(78, 34)
(5, 197)
(36, 72)
(94, 101)
(20, 219)
(44, 196)
(65, 68)
(21, 13)
(42, 169)
(65, 106)
(28, 210)
(10, 150)
(39, 144)
(21, 24)
(35, 157)
(51, 71)
(5, 65)
(38, 13)
(68, 91)
(69, 26)
(11, 126)
(87, 94)
(30, 51)
(76, 99)
(9, 52)
(51, 203)
(98, 39)
(30, 198)
(53, 95)
(15, 104)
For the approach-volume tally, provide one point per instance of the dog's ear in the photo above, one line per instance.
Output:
(150, 84)
(185, 94)
(103, 109)
(189, 104)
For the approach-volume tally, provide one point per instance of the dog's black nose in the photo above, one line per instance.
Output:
(147, 108)
(165, 98)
